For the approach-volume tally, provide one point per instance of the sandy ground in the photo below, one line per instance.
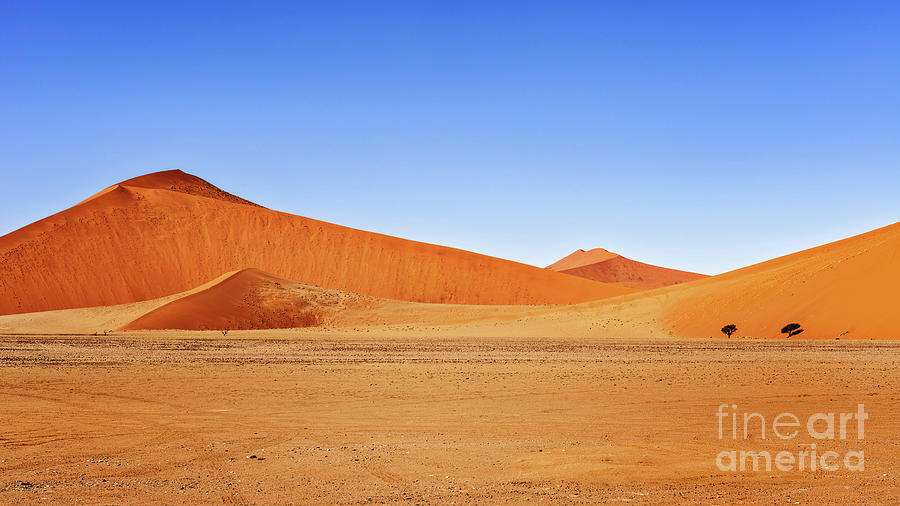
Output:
(195, 417)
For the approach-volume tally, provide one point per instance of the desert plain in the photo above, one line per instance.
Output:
(167, 342)
(424, 418)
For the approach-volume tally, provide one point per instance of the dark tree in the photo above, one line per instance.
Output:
(729, 329)
(791, 329)
(224, 332)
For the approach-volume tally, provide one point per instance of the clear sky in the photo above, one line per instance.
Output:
(698, 135)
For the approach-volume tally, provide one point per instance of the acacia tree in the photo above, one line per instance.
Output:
(791, 329)
(729, 329)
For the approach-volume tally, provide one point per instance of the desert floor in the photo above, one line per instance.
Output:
(199, 417)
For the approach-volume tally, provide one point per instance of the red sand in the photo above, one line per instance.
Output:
(607, 267)
(167, 232)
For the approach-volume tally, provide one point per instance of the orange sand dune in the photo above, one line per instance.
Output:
(251, 299)
(848, 288)
(167, 232)
(607, 267)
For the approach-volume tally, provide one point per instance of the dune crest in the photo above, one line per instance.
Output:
(178, 181)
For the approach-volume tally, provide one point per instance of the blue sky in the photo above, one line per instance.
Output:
(698, 135)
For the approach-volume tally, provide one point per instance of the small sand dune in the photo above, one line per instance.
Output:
(252, 299)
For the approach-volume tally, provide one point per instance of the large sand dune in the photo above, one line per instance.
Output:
(605, 266)
(168, 232)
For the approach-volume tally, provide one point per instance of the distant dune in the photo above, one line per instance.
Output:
(601, 265)
(168, 232)
(581, 258)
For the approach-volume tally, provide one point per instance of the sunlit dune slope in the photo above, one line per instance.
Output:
(168, 232)
(849, 288)
(607, 267)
